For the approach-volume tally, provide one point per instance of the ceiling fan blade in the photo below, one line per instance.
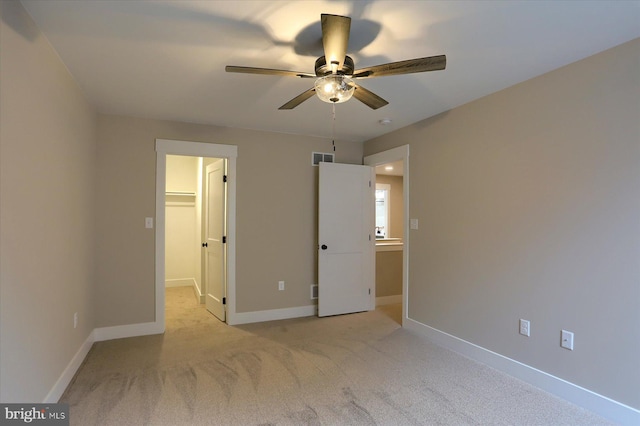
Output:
(335, 37)
(368, 98)
(299, 99)
(431, 63)
(267, 71)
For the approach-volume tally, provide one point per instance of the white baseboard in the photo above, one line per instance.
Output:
(180, 282)
(199, 295)
(148, 328)
(124, 331)
(599, 404)
(186, 282)
(65, 378)
(272, 315)
(388, 300)
(97, 335)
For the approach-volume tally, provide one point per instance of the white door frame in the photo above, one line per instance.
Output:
(400, 153)
(166, 147)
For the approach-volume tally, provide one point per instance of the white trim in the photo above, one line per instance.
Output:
(395, 154)
(274, 314)
(180, 282)
(198, 293)
(166, 147)
(161, 186)
(196, 149)
(388, 300)
(599, 404)
(69, 372)
(187, 282)
(129, 330)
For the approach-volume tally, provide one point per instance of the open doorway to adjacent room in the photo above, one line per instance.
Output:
(391, 201)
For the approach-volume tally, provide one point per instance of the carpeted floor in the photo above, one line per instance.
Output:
(359, 369)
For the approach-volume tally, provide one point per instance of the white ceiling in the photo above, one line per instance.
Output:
(166, 59)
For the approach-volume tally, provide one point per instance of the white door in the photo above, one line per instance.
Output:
(215, 264)
(346, 242)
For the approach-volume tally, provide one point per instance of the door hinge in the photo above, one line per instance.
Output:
(224, 178)
(224, 299)
(369, 237)
(224, 240)
(369, 184)
(369, 291)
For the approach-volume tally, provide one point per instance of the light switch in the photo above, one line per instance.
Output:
(566, 339)
(148, 222)
(413, 223)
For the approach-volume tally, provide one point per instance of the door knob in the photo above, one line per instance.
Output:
(323, 247)
(205, 244)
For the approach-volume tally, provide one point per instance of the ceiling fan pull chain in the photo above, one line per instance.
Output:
(333, 128)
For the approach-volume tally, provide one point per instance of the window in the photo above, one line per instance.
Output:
(382, 210)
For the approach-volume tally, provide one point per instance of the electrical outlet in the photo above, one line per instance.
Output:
(75, 320)
(280, 285)
(525, 327)
(566, 340)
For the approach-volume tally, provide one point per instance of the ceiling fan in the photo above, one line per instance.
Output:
(335, 71)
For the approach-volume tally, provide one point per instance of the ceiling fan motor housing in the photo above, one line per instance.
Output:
(322, 68)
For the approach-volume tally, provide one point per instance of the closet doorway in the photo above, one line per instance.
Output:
(182, 217)
(195, 228)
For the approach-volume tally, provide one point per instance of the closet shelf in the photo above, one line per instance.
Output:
(181, 194)
(180, 199)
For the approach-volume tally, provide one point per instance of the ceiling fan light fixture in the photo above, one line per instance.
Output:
(334, 88)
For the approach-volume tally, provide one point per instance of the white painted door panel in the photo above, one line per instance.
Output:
(346, 241)
(215, 273)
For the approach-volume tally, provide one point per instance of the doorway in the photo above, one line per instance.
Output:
(195, 228)
(390, 238)
(165, 147)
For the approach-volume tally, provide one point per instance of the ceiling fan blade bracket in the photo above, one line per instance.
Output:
(322, 69)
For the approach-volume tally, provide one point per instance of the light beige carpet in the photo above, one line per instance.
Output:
(359, 369)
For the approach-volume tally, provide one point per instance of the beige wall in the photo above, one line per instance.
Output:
(396, 207)
(528, 202)
(47, 163)
(276, 214)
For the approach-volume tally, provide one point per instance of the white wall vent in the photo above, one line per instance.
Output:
(319, 157)
(314, 291)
